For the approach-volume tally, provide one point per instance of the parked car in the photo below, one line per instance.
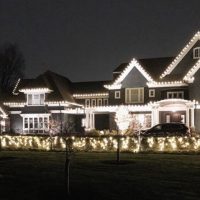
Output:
(167, 129)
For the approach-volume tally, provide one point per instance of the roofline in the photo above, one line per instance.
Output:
(189, 77)
(181, 55)
(4, 113)
(126, 71)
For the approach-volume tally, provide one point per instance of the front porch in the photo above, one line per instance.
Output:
(144, 116)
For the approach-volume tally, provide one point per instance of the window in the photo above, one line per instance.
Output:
(168, 118)
(175, 95)
(35, 99)
(196, 53)
(32, 124)
(87, 103)
(134, 95)
(99, 102)
(117, 94)
(93, 103)
(36, 123)
(152, 93)
(26, 123)
(105, 102)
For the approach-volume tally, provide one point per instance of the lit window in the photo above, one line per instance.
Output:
(175, 95)
(152, 93)
(117, 94)
(36, 123)
(35, 99)
(134, 95)
(168, 118)
(196, 53)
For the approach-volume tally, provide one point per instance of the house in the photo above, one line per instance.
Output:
(152, 90)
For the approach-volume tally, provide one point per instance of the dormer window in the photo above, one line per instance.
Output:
(196, 53)
(35, 99)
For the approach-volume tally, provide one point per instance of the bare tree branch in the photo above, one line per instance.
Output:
(12, 66)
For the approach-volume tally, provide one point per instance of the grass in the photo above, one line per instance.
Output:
(40, 175)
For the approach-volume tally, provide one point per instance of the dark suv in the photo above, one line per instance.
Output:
(167, 129)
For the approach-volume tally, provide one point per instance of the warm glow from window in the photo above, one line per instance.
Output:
(175, 95)
(35, 99)
(134, 95)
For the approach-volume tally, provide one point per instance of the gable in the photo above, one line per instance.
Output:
(194, 87)
(180, 56)
(134, 79)
(117, 83)
(184, 65)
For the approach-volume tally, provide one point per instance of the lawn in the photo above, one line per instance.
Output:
(40, 175)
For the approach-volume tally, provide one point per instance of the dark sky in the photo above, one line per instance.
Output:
(86, 39)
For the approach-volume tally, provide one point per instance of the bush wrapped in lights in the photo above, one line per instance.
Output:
(101, 143)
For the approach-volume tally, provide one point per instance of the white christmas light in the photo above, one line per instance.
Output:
(125, 72)
(180, 56)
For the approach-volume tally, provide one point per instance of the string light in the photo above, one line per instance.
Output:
(166, 84)
(189, 76)
(16, 87)
(131, 144)
(38, 90)
(125, 72)
(90, 95)
(180, 56)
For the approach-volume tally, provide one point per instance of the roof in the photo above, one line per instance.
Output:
(153, 66)
(59, 85)
(89, 87)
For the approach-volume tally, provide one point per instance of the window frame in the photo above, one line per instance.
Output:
(36, 123)
(87, 102)
(196, 53)
(93, 102)
(172, 94)
(118, 94)
(129, 95)
(32, 101)
(105, 102)
(99, 104)
(152, 91)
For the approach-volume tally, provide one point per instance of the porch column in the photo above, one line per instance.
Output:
(188, 117)
(155, 116)
(91, 126)
(192, 117)
(87, 120)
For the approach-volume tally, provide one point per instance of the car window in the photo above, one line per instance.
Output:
(167, 127)
(177, 126)
(158, 127)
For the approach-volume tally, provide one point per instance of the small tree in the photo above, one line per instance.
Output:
(122, 119)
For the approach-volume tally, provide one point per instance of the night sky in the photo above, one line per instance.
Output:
(87, 39)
